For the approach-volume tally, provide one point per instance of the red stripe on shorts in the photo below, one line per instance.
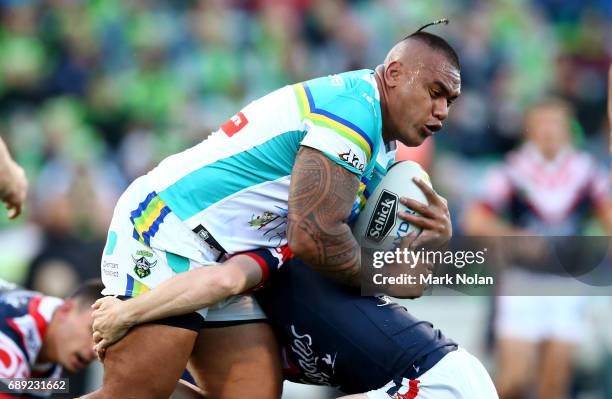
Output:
(413, 391)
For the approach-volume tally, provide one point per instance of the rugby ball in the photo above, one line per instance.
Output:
(378, 225)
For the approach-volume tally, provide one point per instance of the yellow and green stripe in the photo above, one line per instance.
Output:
(134, 287)
(147, 218)
(326, 119)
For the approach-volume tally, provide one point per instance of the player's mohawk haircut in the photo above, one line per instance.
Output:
(435, 41)
(440, 21)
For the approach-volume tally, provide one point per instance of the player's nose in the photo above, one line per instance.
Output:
(440, 110)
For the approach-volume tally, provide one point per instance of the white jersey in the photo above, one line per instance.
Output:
(229, 193)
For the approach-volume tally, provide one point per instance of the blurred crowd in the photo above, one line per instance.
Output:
(94, 93)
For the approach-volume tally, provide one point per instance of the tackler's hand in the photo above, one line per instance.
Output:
(109, 324)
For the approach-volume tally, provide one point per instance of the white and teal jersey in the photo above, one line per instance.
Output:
(235, 184)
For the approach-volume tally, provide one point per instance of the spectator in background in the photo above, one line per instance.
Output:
(13, 183)
(73, 200)
(40, 335)
(545, 188)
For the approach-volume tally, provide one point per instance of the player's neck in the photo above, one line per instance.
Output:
(378, 75)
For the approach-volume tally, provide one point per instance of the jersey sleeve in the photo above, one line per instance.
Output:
(343, 127)
(269, 260)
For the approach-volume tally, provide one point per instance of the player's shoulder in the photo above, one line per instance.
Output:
(13, 296)
(348, 102)
(353, 87)
(342, 82)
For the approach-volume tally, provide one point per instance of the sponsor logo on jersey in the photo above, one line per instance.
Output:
(142, 266)
(234, 124)
(273, 225)
(352, 159)
(209, 240)
(110, 269)
(262, 220)
(383, 217)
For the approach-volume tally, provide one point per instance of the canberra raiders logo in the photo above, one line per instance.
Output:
(142, 267)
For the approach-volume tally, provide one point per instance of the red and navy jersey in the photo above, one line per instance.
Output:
(24, 318)
(547, 197)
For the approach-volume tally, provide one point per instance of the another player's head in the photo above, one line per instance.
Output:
(421, 78)
(548, 126)
(69, 336)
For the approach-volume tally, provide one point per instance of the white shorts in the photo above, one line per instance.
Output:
(131, 266)
(459, 375)
(538, 318)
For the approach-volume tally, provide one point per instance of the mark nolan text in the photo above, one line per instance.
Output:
(429, 279)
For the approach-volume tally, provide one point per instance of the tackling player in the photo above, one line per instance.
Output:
(291, 168)
(328, 333)
(40, 335)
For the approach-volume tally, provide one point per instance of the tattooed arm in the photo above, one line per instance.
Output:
(321, 197)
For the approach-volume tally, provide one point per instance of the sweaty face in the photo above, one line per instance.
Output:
(75, 349)
(427, 84)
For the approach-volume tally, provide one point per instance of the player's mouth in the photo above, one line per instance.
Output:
(430, 129)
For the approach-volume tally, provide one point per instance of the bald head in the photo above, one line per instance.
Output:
(419, 39)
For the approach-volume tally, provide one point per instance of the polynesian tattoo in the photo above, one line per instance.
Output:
(321, 197)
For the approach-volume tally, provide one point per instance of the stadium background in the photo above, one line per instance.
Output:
(94, 93)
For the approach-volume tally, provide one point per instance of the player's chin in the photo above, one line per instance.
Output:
(412, 139)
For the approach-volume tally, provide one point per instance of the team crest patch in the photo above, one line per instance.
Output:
(142, 266)
(262, 220)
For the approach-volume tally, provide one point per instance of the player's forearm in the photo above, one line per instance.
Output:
(332, 251)
(185, 293)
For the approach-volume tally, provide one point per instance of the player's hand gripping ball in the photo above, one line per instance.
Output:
(404, 205)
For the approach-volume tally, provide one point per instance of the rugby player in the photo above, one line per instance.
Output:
(13, 183)
(545, 188)
(329, 335)
(40, 335)
(293, 167)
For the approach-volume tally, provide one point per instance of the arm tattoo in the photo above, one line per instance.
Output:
(321, 197)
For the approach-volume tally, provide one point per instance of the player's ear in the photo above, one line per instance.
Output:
(393, 72)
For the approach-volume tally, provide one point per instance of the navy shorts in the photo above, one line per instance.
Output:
(333, 336)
